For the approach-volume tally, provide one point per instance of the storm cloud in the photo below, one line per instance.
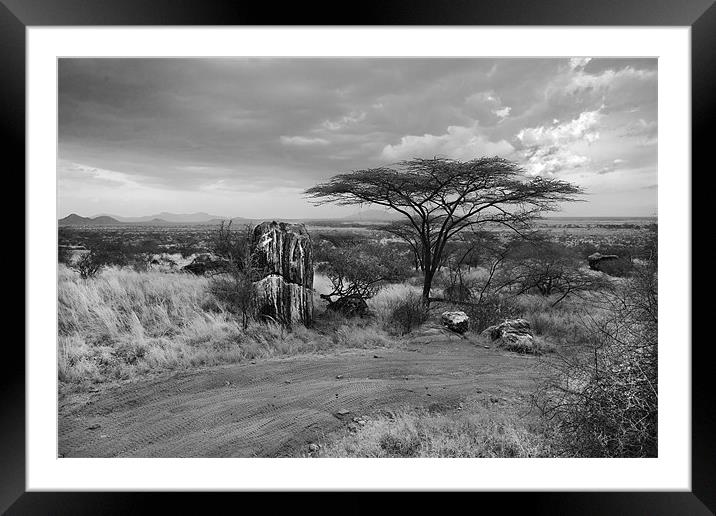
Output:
(245, 136)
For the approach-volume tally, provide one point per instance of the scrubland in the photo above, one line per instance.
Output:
(124, 323)
(595, 336)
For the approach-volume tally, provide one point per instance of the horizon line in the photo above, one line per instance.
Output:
(655, 216)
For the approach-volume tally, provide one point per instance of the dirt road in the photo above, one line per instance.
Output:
(276, 407)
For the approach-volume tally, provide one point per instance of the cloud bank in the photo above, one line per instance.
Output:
(246, 136)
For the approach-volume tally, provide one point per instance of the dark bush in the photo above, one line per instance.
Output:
(89, 265)
(458, 292)
(111, 253)
(408, 313)
(64, 255)
(489, 311)
(619, 268)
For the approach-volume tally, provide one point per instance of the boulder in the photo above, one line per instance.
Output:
(204, 263)
(350, 306)
(455, 321)
(432, 332)
(513, 335)
(282, 256)
(509, 326)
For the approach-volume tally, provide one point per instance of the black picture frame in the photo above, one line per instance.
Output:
(700, 15)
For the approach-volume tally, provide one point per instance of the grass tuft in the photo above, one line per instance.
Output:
(479, 429)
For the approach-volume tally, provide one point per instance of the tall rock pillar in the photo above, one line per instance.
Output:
(283, 257)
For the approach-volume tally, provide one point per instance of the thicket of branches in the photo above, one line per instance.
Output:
(539, 265)
(361, 269)
(89, 264)
(232, 283)
(603, 396)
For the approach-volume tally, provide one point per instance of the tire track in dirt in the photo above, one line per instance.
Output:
(275, 407)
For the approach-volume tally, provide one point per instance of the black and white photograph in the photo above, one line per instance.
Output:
(344, 257)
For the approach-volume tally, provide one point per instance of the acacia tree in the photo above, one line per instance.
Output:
(441, 197)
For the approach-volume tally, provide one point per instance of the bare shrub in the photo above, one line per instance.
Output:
(233, 284)
(360, 270)
(232, 245)
(604, 398)
(540, 265)
(88, 265)
(235, 290)
(490, 310)
(408, 313)
(458, 288)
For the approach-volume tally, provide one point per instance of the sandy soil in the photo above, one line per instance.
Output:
(275, 407)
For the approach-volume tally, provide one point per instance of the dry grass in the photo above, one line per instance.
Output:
(479, 429)
(384, 302)
(561, 325)
(124, 323)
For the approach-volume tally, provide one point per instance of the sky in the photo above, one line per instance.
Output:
(244, 137)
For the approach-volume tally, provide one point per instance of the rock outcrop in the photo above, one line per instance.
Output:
(596, 259)
(204, 263)
(455, 321)
(282, 256)
(513, 335)
(350, 306)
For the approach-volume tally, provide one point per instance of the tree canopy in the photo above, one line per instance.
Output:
(441, 197)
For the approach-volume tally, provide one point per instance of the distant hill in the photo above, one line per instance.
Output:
(183, 218)
(76, 220)
(161, 219)
(169, 219)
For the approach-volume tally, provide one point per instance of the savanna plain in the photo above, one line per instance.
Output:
(158, 354)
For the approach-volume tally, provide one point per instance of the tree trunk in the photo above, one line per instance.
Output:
(426, 290)
(427, 283)
(428, 275)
